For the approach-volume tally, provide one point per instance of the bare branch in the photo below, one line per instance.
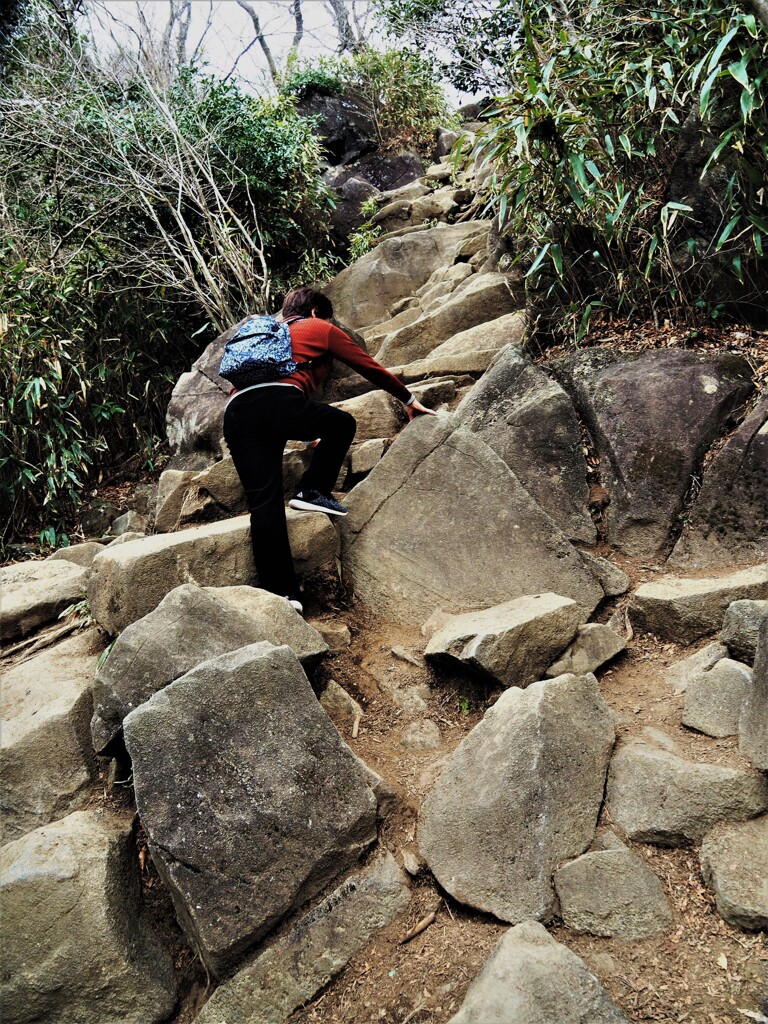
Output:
(248, 8)
(298, 17)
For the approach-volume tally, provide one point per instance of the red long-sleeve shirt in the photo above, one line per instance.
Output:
(321, 342)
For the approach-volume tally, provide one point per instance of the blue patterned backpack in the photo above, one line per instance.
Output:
(259, 352)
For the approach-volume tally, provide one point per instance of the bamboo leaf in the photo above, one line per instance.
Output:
(727, 231)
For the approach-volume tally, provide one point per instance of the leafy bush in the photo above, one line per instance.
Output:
(632, 155)
(398, 88)
(137, 222)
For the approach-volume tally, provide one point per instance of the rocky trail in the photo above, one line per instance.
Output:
(511, 764)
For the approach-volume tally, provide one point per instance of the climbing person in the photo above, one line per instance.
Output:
(260, 418)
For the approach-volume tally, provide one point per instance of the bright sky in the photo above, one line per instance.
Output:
(230, 31)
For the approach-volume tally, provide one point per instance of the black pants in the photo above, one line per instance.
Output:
(257, 425)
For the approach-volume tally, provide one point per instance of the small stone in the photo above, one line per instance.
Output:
(714, 699)
(403, 655)
(611, 578)
(679, 674)
(741, 626)
(594, 645)
(421, 735)
(412, 864)
(342, 709)
(129, 522)
(733, 863)
(335, 634)
(612, 892)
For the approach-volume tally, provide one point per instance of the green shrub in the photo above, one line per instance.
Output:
(632, 155)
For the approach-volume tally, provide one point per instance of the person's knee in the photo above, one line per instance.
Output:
(347, 425)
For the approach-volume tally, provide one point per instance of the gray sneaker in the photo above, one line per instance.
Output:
(314, 501)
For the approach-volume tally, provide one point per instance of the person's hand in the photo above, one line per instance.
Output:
(417, 409)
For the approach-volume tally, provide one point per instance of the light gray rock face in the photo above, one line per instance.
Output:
(363, 457)
(612, 893)
(594, 645)
(81, 554)
(35, 593)
(520, 795)
(269, 808)
(46, 758)
(441, 522)
(313, 951)
(733, 863)
(130, 580)
(680, 673)
(657, 797)
(377, 415)
(753, 724)
(685, 609)
(530, 422)
(75, 949)
(652, 418)
(512, 643)
(129, 522)
(171, 490)
(530, 978)
(714, 699)
(470, 351)
(483, 298)
(741, 627)
(728, 521)
(190, 625)
(341, 708)
(421, 735)
(366, 292)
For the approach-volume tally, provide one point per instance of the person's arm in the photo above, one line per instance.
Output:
(342, 347)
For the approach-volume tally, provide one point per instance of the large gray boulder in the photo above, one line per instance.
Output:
(269, 808)
(657, 797)
(530, 978)
(612, 893)
(441, 522)
(81, 554)
(595, 644)
(753, 724)
(680, 609)
(741, 627)
(530, 422)
(35, 593)
(130, 580)
(714, 699)
(728, 521)
(46, 759)
(733, 862)
(512, 643)
(680, 673)
(653, 417)
(190, 625)
(520, 795)
(75, 947)
(366, 292)
(303, 960)
(377, 414)
(470, 351)
(482, 298)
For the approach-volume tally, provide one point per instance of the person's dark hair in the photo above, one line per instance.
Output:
(301, 302)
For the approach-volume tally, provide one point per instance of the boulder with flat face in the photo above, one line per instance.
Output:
(520, 795)
(655, 796)
(366, 292)
(733, 860)
(530, 978)
(714, 699)
(511, 643)
(482, 298)
(130, 580)
(190, 625)
(753, 723)
(530, 422)
(75, 945)
(595, 644)
(35, 593)
(441, 522)
(269, 808)
(652, 418)
(684, 609)
(46, 758)
(728, 521)
(741, 627)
